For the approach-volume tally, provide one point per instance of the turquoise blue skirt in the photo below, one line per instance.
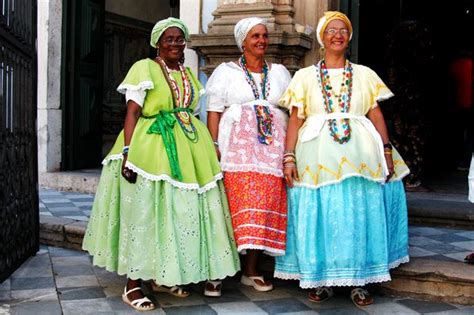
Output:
(346, 234)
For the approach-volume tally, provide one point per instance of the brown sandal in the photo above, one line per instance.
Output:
(320, 294)
(361, 297)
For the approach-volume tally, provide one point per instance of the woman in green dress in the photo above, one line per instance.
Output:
(160, 211)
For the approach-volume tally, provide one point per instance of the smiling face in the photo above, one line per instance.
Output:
(256, 42)
(336, 37)
(171, 45)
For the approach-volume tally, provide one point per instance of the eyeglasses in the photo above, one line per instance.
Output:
(333, 31)
(177, 42)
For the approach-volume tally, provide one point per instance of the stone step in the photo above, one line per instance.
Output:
(85, 181)
(451, 282)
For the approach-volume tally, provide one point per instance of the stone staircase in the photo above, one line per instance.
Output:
(436, 280)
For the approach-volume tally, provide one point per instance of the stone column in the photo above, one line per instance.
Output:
(287, 46)
(49, 85)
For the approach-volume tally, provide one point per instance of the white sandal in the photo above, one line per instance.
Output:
(217, 288)
(250, 281)
(138, 303)
(362, 294)
(175, 290)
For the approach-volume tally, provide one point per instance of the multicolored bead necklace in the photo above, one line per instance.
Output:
(263, 114)
(343, 99)
(183, 117)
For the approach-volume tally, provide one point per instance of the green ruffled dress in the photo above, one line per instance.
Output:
(171, 230)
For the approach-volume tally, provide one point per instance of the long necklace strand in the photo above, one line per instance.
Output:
(343, 99)
(183, 117)
(263, 114)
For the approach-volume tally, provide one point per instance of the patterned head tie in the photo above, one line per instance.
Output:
(161, 26)
(243, 27)
(328, 17)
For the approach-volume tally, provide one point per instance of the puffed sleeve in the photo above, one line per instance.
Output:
(216, 89)
(138, 78)
(377, 89)
(294, 95)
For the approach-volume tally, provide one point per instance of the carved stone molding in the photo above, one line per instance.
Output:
(286, 46)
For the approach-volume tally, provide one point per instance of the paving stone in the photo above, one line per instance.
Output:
(425, 231)
(230, 293)
(59, 205)
(64, 252)
(383, 305)
(419, 252)
(237, 308)
(255, 295)
(42, 271)
(186, 310)
(467, 234)
(49, 294)
(342, 311)
(71, 261)
(458, 256)
(469, 245)
(77, 281)
(5, 296)
(82, 293)
(167, 301)
(282, 306)
(424, 240)
(69, 214)
(39, 260)
(74, 270)
(37, 308)
(32, 283)
(442, 248)
(5, 285)
(426, 306)
(85, 306)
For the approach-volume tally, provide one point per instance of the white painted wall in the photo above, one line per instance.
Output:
(49, 85)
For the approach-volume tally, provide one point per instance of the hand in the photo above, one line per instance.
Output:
(129, 175)
(390, 166)
(290, 173)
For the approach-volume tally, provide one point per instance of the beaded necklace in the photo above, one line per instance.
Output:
(343, 99)
(183, 117)
(263, 114)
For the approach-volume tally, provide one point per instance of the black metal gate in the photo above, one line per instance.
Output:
(19, 215)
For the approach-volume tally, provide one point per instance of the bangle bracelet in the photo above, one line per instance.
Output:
(125, 149)
(216, 143)
(388, 145)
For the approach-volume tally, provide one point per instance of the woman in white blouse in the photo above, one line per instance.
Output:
(249, 130)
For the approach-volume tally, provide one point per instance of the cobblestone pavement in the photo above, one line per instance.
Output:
(62, 281)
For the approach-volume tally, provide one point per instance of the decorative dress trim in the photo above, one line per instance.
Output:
(144, 85)
(228, 167)
(270, 251)
(261, 239)
(167, 178)
(380, 180)
(306, 284)
(259, 210)
(260, 227)
(398, 262)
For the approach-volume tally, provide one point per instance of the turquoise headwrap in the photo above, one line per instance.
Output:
(161, 26)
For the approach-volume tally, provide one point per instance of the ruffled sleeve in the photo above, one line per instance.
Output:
(377, 89)
(294, 95)
(216, 89)
(138, 78)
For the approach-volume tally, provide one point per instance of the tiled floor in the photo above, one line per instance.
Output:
(59, 281)
(69, 205)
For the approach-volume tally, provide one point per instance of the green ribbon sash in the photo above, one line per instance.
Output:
(163, 125)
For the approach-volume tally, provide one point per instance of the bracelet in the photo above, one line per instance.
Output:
(387, 152)
(216, 143)
(125, 149)
(388, 145)
(289, 151)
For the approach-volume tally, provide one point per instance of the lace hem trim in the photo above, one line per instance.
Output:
(380, 180)
(144, 85)
(398, 262)
(164, 177)
(306, 284)
(270, 251)
(228, 167)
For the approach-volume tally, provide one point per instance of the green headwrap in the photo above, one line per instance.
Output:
(161, 26)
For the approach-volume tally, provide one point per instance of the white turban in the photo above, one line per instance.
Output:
(243, 27)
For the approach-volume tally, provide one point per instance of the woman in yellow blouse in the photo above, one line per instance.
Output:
(347, 216)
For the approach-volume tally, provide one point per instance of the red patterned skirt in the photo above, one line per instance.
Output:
(258, 206)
